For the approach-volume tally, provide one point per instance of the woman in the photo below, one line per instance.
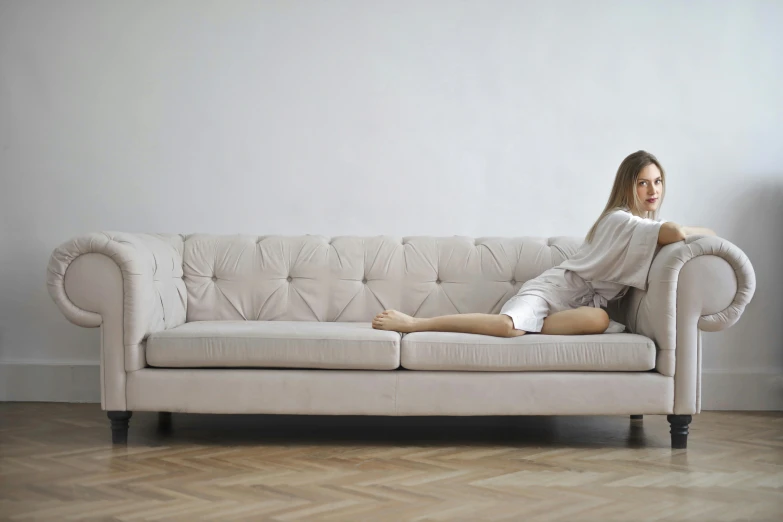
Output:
(569, 299)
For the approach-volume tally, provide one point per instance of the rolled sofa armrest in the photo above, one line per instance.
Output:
(702, 283)
(129, 284)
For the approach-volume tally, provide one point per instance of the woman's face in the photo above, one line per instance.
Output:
(649, 187)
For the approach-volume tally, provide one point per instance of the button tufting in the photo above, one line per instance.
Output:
(214, 278)
(364, 281)
(438, 281)
(289, 279)
(513, 281)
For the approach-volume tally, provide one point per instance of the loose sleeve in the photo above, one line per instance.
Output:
(641, 251)
(621, 251)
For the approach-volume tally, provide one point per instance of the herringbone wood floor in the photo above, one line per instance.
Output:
(57, 463)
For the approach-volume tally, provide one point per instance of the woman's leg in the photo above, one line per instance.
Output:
(485, 324)
(580, 321)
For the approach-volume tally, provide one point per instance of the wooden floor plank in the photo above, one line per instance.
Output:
(57, 463)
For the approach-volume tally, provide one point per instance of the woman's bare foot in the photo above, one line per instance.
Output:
(395, 321)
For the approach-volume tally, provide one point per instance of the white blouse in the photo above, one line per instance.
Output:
(620, 254)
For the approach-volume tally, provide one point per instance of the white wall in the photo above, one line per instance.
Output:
(394, 117)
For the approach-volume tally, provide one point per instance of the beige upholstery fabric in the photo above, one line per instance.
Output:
(533, 393)
(94, 282)
(317, 392)
(703, 283)
(151, 267)
(153, 293)
(466, 352)
(119, 292)
(275, 344)
(337, 392)
(315, 278)
(129, 284)
(134, 285)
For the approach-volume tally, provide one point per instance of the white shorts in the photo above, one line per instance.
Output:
(553, 291)
(527, 312)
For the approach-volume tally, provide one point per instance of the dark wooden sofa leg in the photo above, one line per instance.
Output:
(679, 430)
(637, 417)
(119, 426)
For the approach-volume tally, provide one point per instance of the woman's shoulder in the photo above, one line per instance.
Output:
(618, 215)
(625, 215)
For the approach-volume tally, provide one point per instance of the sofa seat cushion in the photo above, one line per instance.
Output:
(274, 344)
(531, 352)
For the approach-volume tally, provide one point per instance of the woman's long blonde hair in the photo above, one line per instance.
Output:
(623, 195)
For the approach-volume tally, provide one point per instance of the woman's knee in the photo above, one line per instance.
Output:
(506, 327)
(597, 319)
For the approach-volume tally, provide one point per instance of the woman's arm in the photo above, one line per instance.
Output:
(698, 231)
(671, 232)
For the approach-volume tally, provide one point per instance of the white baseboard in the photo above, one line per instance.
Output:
(50, 381)
(751, 390)
(69, 381)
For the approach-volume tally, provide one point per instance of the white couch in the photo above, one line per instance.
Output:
(247, 324)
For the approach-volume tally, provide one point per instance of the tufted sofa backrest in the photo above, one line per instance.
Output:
(315, 278)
